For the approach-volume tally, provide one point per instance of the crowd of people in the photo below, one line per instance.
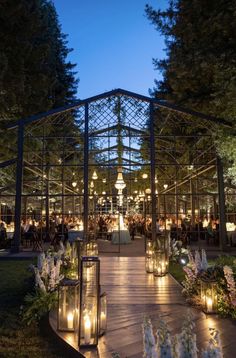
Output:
(102, 226)
(202, 228)
(183, 228)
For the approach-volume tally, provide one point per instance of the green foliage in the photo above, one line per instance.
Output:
(226, 147)
(213, 273)
(199, 39)
(199, 70)
(35, 76)
(34, 73)
(225, 260)
(37, 305)
(16, 338)
(223, 306)
(15, 281)
(176, 270)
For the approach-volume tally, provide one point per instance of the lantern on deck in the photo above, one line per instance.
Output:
(91, 249)
(74, 270)
(103, 314)
(163, 244)
(149, 248)
(159, 263)
(209, 296)
(68, 305)
(149, 257)
(89, 301)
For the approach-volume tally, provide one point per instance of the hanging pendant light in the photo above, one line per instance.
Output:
(94, 176)
(74, 183)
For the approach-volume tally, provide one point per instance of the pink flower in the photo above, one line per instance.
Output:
(228, 272)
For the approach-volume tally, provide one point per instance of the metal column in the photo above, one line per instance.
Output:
(47, 203)
(19, 174)
(221, 192)
(192, 202)
(152, 179)
(86, 171)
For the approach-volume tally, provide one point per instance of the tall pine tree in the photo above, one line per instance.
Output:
(199, 70)
(35, 75)
(34, 72)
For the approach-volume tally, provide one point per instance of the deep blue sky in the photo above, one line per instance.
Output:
(113, 43)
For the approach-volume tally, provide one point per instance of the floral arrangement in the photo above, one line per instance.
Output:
(197, 264)
(222, 273)
(47, 275)
(115, 355)
(177, 250)
(149, 340)
(182, 345)
(70, 261)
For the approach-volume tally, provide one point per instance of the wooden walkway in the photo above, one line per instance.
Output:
(132, 294)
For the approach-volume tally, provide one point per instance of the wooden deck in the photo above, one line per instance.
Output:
(132, 294)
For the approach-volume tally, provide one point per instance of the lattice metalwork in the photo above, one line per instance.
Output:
(66, 163)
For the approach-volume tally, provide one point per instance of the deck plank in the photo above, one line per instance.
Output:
(132, 293)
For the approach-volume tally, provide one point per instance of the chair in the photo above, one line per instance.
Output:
(37, 243)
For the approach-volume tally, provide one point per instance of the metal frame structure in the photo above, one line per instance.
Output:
(172, 145)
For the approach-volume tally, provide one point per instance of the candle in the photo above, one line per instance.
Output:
(88, 274)
(87, 329)
(103, 320)
(150, 265)
(64, 305)
(70, 320)
(159, 270)
(209, 304)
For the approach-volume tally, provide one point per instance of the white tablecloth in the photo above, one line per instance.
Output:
(75, 234)
(122, 235)
(10, 234)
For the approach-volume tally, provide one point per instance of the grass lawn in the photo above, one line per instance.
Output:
(176, 270)
(16, 339)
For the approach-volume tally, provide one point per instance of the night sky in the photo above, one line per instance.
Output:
(113, 43)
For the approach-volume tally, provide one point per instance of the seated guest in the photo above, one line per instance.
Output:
(210, 232)
(62, 231)
(173, 230)
(26, 225)
(132, 229)
(33, 229)
(31, 234)
(3, 232)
